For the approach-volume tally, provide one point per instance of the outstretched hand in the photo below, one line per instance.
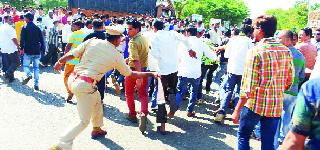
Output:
(57, 67)
(235, 117)
(192, 54)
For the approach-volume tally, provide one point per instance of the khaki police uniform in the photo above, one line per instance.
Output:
(96, 58)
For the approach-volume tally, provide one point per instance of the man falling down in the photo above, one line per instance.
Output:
(97, 57)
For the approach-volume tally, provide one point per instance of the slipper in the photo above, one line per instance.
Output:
(143, 123)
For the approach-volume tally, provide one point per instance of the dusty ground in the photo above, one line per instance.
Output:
(33, 120)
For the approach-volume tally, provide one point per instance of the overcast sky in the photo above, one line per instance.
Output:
(258, 7)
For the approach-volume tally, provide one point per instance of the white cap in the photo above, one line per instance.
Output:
(115, 30)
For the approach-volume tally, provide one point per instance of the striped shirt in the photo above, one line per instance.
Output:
(53, 36)
(268, 73)
(299, 63)
(76, 39)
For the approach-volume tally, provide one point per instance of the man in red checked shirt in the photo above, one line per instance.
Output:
(268, 73)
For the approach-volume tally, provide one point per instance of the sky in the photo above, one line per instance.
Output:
(258, 7)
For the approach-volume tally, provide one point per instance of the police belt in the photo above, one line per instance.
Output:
(84, 78)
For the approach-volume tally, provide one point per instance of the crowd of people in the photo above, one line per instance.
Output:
(270, 78)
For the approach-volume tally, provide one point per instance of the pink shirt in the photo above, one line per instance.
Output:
(64, 20)
(309, 51)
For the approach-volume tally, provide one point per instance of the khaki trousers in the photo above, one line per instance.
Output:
(89, 108)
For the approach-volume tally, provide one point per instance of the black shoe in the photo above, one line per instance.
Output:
(26, 80)
(132, 119)
(161, 132)
(220, 115)
(36, 88)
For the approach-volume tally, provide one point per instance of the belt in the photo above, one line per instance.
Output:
(83, 78)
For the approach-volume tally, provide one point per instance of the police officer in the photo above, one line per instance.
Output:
(97, 57)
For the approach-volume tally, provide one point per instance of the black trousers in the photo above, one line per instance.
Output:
(206, 70)
(51, 55)
(64, 47)
(12, 63)
(169, 83)
(102, 86)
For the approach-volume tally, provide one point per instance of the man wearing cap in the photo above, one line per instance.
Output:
(76, 38)
(97, 57)
(78, 14)
(66, 32)
(48, 22)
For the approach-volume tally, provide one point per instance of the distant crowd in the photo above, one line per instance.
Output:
(270, 79)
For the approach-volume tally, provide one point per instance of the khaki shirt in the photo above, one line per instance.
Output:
(97, 57)
(138, 50)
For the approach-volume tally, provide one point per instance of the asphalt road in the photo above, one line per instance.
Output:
(34, 120)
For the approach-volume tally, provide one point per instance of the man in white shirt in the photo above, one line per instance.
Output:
(88, 27)
(164, 51)
(48, 22)
(66, 32)
(189, 70)
(317, 40)
(236, 50)
(9, 47)
(77, 15)
(215, 34)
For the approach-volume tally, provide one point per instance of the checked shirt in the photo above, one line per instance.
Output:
(269, 71)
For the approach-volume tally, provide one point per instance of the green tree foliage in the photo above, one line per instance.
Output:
(231, 10)
(178, 6)
(19, 3)
(49, 4)
(294, 18)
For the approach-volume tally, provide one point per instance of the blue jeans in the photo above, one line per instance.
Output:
(283, 128)
(182, 89)
(4, 63)
(248, 120)
(222, 69)
(232, 81)
(35, 62)
(155, 91)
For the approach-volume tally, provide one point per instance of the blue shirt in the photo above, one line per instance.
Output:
(306, 116)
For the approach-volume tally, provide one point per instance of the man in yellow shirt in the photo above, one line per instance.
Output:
(97, 57)
(75, 39)
(18, 26)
